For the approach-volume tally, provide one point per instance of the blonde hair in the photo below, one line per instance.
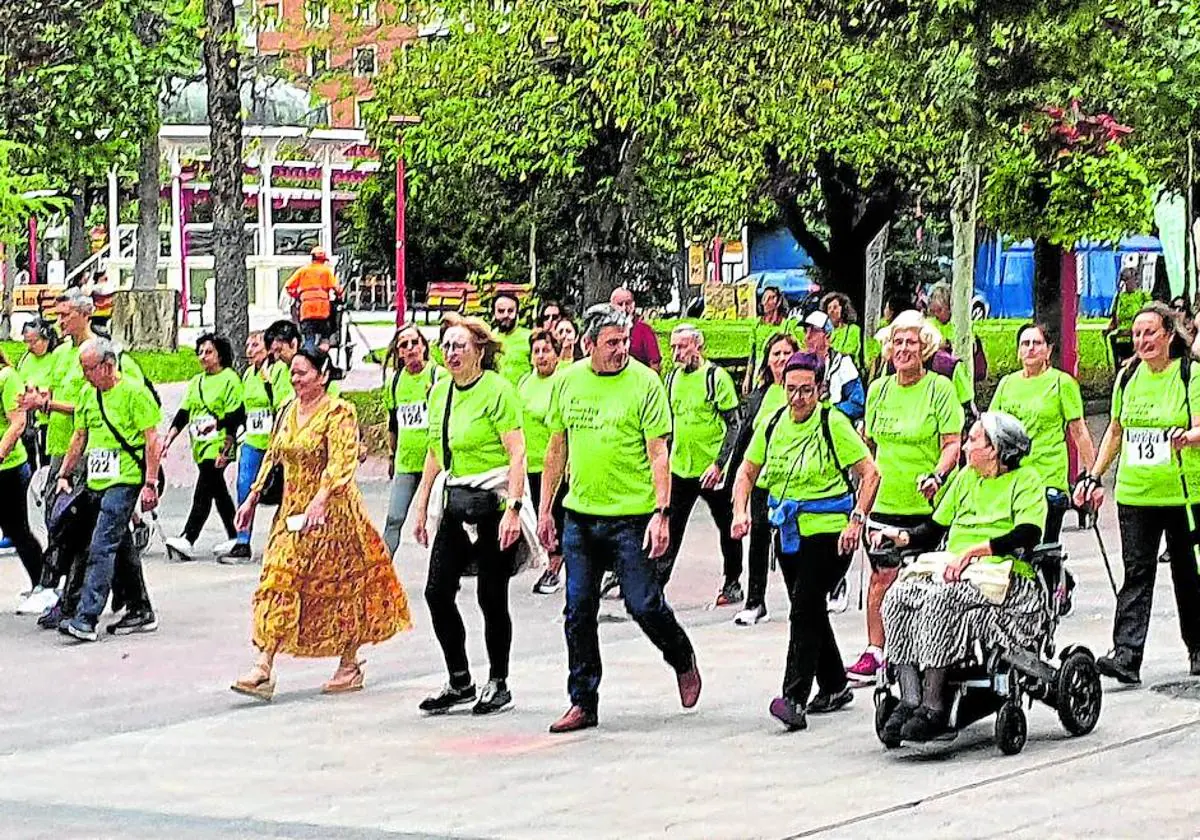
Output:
(481, 335)
(910, 319)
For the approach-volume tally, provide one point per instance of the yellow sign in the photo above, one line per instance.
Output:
(696, 265)
(729, 301)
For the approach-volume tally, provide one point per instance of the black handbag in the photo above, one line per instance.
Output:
(465, 504)
(271, 494)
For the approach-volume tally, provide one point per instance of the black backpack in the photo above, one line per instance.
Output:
(825, 433)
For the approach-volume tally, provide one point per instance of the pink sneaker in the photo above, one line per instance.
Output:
(864, 670)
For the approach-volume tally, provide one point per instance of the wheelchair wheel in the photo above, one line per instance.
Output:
(1011, 729)
(1078, 693)
(885, 704)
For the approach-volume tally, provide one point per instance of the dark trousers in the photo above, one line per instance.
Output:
(589, 543)
(14, 519)
(210, 488)
(759, 555)
(684, 493)
(1141, 530)
(452, 555)
(813, 652)
(112, 547)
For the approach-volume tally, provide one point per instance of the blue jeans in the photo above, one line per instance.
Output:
(249, 460)
(589, 542)
(404, 487)
(110, 535)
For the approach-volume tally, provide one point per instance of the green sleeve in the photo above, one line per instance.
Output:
(873, 393)
(756, 452)
(389, 392)
(506, 410)
(79, 418)
(554, 418)
(656, 414)
(847, 444)
(281, 384)
(947, 508)
(950, 416)
(190, 400)
(14, 387)
(130, 367)
(1029, 499)
(997, 403)
(964, 387)
(1115, 411)
(1071, 398)
(146, 412)
(727, 398)
(1193, 393)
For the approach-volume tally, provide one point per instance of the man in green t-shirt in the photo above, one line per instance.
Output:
(704, 421)
(614, 412)
(116, 422)
(514, 362)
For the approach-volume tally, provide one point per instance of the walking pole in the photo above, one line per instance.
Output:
(1187, 507)
(1112, 581)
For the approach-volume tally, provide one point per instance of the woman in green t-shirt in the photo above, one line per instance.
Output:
(991, 511)
(567, 333)
(847, 334)
(14, 472)
(38, 368)
(212, 411)
(1154, 431)
(535, 390)
(1049, 405)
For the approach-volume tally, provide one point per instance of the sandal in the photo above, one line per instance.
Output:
(346, 678)
(258, 682)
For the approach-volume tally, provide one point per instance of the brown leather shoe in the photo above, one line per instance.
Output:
(575, 719)
(689, 686)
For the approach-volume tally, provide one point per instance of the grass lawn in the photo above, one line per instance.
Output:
(160, 367)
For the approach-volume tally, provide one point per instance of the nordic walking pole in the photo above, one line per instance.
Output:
(1103, 551)
(1187, 506)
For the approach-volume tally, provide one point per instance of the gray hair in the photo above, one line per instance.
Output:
(940, 293)
(102, 347)
(1007, 435)
(689, 331)
(603, 315)
(81, 303)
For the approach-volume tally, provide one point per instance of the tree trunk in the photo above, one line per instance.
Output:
(222, 63)
(10, 282)
(77, 238)
(146, 319)
(1047, 290)
(962, 221)
(145, 268)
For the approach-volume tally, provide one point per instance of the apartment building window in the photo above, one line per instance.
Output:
(269, 16)
(316, 13)
(361, 106)
(318, 61)
(365, 61)
(366, 13)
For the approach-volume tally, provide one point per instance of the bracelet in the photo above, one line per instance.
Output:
(858, 517)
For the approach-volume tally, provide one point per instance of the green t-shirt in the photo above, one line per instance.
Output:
(67, 385)
(131, 409)
(38, 372)
(407, 394)
(964, 383)
(847, 339)
(12, 387)
(1150, 404)
(514, 361)
(797, 464)
(772, 401)
(1044, 404)
(978, 509)
(263, 403)
(608, 418)
(906, 423)
(763, 331)
(698, 427)
(479, 415)
(209, 398)
(1127, 306)
(536, 392)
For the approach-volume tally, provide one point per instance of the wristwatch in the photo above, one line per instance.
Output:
(513, 504)
(664, 511)
(858, 516)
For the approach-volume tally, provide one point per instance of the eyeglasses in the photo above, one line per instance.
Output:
(454, 346)
(409, 344)
(802, 390)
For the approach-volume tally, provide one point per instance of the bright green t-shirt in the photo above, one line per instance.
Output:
(906, 423)
(536, 392)
(608, 418)
(407, 394)
(1128, 305)
(209, 398)
(698, 427)
(38, 372)
(67, 385)
(514, 361)
(479, 415)
(772, 401)
(1151, 403)
(263, 402)
(762, 334)
(797, 464)
(847, 339)
(1044, 404)
(12, 387)
(131, 409)
(978, 509)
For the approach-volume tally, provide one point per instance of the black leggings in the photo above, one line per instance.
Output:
(452, 554)
(759, 555)
(210, 488)
(14, 521)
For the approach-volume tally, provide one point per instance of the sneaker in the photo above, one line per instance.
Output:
(927, 725)
(790, 713)
(1119, 665)
(730, 594)
(494, 697)
(239, 553)
(838, 600)
(894, 725)
(548, 583)
(134, 621)
(864, 670)
(751, 616)
(224, 547)
(824, 703)
(575, 719)
(5, 543)
(78, 628)
(448, 699)
(37, 601)
(178, 548)
(610, 586)
(51, 618)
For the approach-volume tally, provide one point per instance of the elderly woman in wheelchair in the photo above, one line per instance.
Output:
(981, 593)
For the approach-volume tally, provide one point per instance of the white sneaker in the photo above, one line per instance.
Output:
(223, 548)
(751, 616)
(181, 548)
(37, 602)
(838, 600)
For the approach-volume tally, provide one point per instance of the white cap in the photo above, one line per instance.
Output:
(818, 320)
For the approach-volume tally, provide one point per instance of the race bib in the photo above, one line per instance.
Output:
(1147, 447)
(259, 422)
(204, 428)
(412, 416)
(103, 464)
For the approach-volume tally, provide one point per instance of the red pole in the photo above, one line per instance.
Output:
(1068, 352)
(33, 254)
(401, 286)
(184, 285)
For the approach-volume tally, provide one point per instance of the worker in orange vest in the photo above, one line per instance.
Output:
(311, 287)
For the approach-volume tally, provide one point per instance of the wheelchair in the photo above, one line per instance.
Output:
(1003, 681)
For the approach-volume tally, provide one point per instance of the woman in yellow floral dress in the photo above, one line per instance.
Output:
(327, 587)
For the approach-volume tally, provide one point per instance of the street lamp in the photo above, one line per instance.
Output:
(400, 122)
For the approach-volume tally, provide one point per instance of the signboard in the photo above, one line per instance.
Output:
(729, 301)
(696, 265)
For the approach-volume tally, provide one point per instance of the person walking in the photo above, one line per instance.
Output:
(1153, 432)
(643, 343)
(804, 456)
(14, 474)
(846, 335)
(705, 423)
(212, 411)
(513, 362)
(313, 288)
(327, 586)
(609, 421)
(37, 370)
(535, 391)
(841, 385)
(476, 456)
(116, 428)
(567, 333)
(1129, 300)
(406, 400)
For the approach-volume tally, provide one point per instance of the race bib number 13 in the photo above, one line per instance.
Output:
(1147, 447)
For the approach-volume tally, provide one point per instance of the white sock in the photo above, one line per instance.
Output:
(875, 651)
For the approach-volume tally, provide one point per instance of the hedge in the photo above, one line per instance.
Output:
(161, 367)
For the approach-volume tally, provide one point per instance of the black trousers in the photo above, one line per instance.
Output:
(452, 554)
(128, 584)
(14, 520)
(684, 493)
(759, 555)
(210, 489)
(813, 652)
(1141, 530)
